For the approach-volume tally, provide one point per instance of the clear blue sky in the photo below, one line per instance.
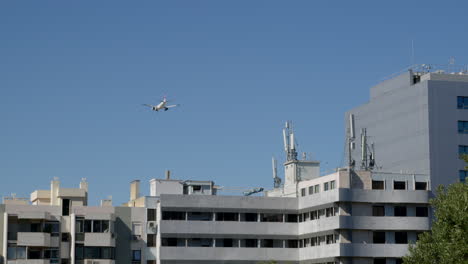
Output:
(73, 76)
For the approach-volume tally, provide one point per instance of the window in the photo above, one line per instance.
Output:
(250, 217)
(420, 185)
(462, 102)
(151, 215)
(463, 127)
(303, 192)
(325, 186)
(380, 261)
(332, 185)
(65, 237)
(317, 188)
(227, 217)
(379, 237)
(199, 216)
(136, 256)
(251, 243)
(462, 149)
(401, 238)
(400, 211)
(422, 211)
(168, 215)
(398, 261)
(151, 240)
(196, 188)
(271, 217)
(462, 174)
(311, 190)
(136, 230)
(291, 218)
(377, 185)
(399, 185)
(169, 242)
(378, 210)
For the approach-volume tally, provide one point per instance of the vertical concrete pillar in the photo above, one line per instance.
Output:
(5, 236)
(73, 238)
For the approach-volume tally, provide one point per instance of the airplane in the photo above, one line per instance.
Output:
(161, 105)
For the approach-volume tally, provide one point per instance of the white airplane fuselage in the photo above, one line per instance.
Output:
(161, 105)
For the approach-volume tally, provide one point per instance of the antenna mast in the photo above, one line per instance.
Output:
(364, 149)
(276, 179)
(289, 145)
(351, 137)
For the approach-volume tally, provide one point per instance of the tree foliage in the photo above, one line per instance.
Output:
(447, 241)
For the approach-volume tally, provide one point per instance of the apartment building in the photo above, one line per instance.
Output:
(418, 122)
(345, 217)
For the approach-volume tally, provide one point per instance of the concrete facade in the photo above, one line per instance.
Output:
(412, 119)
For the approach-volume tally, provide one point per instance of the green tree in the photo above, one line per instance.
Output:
(447, 241)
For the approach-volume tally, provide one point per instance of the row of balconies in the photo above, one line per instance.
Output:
(39, 239)
(283, 254)
(288, 230)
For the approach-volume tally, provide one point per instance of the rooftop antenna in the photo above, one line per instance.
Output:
(351, 137)
(364, 164)
(372, 157)
(289, 144)
(276, 179)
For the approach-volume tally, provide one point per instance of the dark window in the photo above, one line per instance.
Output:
(420, 186)
(66, 207)
(325, 186)
(227, 217)
(79, 252)
(169, 242)
(151, 262)
(462, 102)
(303, 192)
(136, 255)
(463, 127)
(196, 188)
(422, 211)
(199, 216)
(311, 190)
(379, 261)
(462, 174)
(401, 238)
(462, 149)
(399, 185)
(267, 243)
(291, 218)
(65, 237)
(228, 242)
(251, 217)
(292, 243)
(87, 226)
(378, 210)
(377, 185)
(151, 215)
(332, 185)
(316, 188)
(251, 243)
(398, 261)
(271, 217)
(168, 215)
(379, 237)
(151, 240)
(400, 211)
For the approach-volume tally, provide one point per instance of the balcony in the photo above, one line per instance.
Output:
(98, 261)
(34, 239)
(228, 254)
(99, 240)
(29, 261)
(229, 228)
(374, 250)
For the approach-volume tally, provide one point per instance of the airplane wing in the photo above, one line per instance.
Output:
(147, 105)
(170, 106)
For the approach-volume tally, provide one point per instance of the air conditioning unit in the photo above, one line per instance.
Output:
(152, 227)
